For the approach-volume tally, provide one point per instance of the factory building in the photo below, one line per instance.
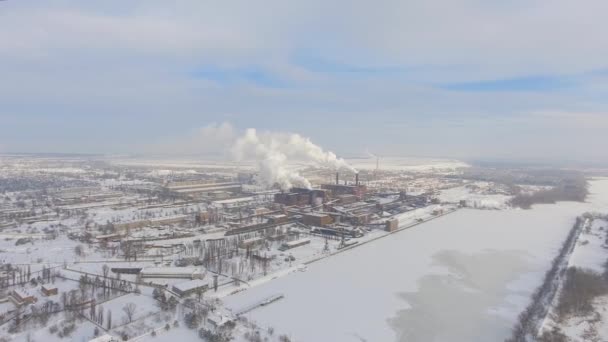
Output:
(316, 219)
(201, 188)
(347, 199)
(338, 189)
(301, 197)
(160, 221)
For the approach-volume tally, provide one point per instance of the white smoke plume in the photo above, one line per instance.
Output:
(272, 152)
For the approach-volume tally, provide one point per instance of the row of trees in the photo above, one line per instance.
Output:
(527, 321)
(570, 190)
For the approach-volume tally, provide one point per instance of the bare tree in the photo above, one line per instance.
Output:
(105, 269)
(79, 250)
(109, 319)
(129, 310)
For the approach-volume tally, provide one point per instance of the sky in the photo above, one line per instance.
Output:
(467, 79)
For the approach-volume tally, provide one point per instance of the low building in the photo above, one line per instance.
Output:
(127, 269)
(131, 225)
(294, 244)
(277, 219)
(347, 199)
(203, 188)
(249, 243)
(360, 219)
(189, 287)
(392, 225)
(172, 272)
(169, 220)
(276, 237)
(261, 211)
(108, 237)
(48, 290)
(218, 320)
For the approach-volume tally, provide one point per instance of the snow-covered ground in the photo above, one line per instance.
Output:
(408, 164)
(462, 277)
(590, 253)
(474, 200)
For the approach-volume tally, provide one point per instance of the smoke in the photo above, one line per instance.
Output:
(272, 152)
(299, 147)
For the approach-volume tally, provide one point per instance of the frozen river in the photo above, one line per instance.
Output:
(461, 277)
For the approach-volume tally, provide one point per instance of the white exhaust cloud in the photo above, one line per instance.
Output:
(273, 151)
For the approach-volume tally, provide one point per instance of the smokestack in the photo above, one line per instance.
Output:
(357, 179)
(337, 178)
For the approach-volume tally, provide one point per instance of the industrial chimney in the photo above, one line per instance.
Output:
(337, 178)
(357, 179)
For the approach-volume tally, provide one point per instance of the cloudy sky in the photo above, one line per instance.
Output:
(463, 78)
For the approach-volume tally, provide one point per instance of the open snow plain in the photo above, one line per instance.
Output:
(462, 277)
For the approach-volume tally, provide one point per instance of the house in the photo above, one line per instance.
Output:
(49, 290)
(218, 320)
(21, 297)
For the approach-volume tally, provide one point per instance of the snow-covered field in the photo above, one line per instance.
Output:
(474, 200)
(407, 164)
(462, 277)
(590, 252)
(385, 163)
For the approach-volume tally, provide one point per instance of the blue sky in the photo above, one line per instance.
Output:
(463, 79)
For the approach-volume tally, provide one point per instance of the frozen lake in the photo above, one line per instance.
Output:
(461, 277)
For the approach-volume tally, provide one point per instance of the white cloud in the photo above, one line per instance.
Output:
(129, 62)
(490, 39)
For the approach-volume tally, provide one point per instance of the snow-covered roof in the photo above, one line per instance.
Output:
(104, 338)
(171, 270)
(234, 200)
(190, 285)
(23, 293)
(297, 242)
(316, 215)
(251, 240)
